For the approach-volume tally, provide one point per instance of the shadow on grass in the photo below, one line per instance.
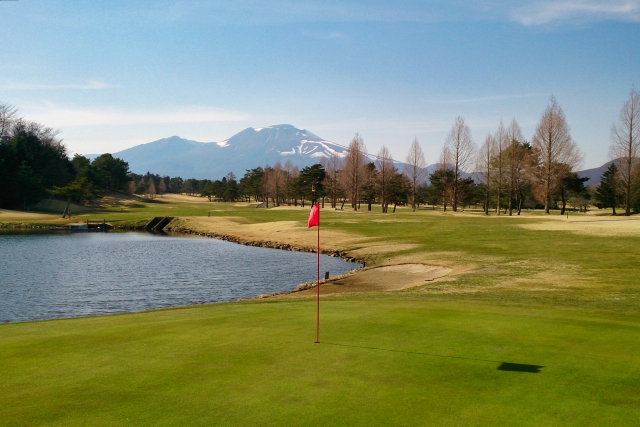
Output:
(519, 367)
(504, 366)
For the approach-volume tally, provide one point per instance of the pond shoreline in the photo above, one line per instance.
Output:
(220, 236)
(272, 290)
(275, 245)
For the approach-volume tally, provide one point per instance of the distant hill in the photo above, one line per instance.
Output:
(595, 174)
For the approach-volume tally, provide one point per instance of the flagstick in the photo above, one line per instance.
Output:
(318, 285)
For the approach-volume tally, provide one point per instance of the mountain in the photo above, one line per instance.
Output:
(248, 149)
(251, 148)
(595, 174)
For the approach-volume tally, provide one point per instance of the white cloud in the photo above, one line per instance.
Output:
(90, 85)
(577, 11)
(60, 116)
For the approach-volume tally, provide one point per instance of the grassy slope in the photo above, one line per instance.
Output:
(425, 356)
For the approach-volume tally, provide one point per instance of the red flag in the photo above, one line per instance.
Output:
(314, 216)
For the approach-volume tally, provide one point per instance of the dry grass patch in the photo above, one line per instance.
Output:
(589, 226)
(6, 215)
(374, 247)
(285, 232)
(172, 197)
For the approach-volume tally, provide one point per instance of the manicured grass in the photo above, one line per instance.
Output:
(382, 361)
(563, 304)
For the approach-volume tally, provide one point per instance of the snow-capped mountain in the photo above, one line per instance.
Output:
(247, 149)
(279, 143)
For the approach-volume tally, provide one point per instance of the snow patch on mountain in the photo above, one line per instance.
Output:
(316, 149)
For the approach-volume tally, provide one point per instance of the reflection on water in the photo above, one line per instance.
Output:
(44, 276)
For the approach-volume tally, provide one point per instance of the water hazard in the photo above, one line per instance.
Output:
(46, 276)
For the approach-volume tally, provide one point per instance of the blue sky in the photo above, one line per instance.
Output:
(113, 74)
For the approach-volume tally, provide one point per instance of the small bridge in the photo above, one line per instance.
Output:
(158, 223)
(86, 226)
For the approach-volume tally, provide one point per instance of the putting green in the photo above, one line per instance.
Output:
(381, 361)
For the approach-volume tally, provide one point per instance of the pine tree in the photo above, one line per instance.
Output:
(608, 192)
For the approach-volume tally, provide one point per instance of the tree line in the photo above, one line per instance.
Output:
(34, 164)
(511, 173)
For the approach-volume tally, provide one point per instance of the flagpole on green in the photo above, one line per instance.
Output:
(318, 283)
(314, 221)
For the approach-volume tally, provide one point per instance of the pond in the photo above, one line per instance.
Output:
(58, 275)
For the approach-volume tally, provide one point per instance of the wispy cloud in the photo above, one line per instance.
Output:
(329, 36)
(90, 85)
(252, 12)
(577, 11)
(495, 98)
(334, 35)
(60, 116)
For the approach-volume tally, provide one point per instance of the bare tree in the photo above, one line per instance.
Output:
(442, 179)
(556, 150)
(625, 146)
(354, 162)
(445, 159)
(500, 138)
(268, 185)
(332, 166)
(8, 116)
(288, 170)
(386, 171)
(414, 170)
(162, 187)
(462, 150)
(151, 188)
(278, 182)
(514, 158)
(483, 165)
(295, 173)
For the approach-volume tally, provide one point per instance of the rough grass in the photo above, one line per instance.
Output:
(563, 304)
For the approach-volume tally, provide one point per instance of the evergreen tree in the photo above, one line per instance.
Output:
(310, 182)
(608, 192)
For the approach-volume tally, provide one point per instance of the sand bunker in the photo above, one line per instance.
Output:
(384, 278)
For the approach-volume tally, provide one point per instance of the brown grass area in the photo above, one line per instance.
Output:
(6, 215)
(291, 232)
(591, 225)
(171, 197)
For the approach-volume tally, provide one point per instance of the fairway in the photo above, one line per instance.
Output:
(532, 325)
